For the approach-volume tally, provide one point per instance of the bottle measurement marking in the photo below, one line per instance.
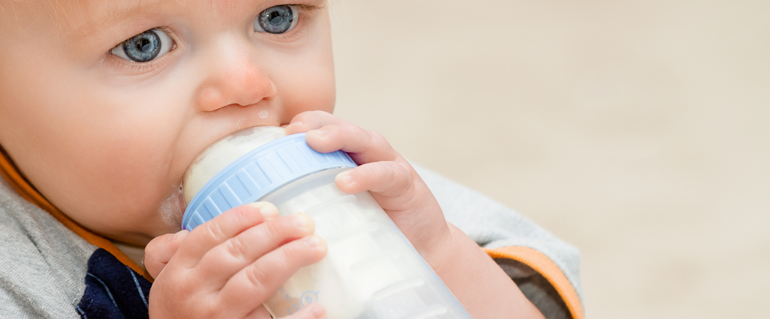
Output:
(307, 298)
(352, 232)
(398, 288)
(367, 263)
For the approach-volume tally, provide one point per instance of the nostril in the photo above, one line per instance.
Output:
(210, 99)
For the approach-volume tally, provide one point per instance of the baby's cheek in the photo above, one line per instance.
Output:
(131, 188)
(318, 98)
(307, 86)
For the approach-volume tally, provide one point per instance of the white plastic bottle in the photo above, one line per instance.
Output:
(371, 271)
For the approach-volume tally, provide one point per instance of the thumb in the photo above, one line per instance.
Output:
(159, 251)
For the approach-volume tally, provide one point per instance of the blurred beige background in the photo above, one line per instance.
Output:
(636, 130)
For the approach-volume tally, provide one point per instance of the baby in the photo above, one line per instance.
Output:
(103, 106)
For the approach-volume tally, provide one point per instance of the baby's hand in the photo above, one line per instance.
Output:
(390, 179)
(229, 266)
(405, 197)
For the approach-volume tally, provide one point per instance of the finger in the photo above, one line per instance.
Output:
(223, 227)
(327, 133)
(387, 179)
(398, 190)
(159, 251)
(362, 145)
(228, 258)
(258, 281)
(310, 120)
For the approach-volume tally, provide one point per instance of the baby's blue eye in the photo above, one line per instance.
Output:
(144, 47)
(277, 19)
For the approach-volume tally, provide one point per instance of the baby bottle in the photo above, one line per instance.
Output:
(371, 271)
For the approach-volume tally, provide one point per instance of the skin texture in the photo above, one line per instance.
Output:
(107, 141)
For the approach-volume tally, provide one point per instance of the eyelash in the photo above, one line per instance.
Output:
(144, 67)
(135, 67)
(296, 32)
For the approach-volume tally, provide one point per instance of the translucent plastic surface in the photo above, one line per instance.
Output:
(371, 270)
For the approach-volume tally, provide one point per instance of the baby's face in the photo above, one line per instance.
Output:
(104, 103)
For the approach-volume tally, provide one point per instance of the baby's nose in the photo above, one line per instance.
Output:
(234, 80)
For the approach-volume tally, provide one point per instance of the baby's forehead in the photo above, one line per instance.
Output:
(81, 17)
(62, 15)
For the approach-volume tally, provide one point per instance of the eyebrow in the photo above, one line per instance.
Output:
(115, 11)
(135, 9)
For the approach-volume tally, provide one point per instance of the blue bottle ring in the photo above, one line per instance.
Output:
(257, 174)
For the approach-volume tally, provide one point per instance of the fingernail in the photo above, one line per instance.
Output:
(344, 178)
(180, 234)
(318, 311)
(269, 211)
(313, 241)
(319, 132)
(301, 220)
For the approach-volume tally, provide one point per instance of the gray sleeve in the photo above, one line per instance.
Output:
(492, 225)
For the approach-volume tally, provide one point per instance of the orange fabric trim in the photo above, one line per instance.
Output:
(543, 265)
(20, 184)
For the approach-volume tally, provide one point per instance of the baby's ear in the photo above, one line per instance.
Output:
(159, 251)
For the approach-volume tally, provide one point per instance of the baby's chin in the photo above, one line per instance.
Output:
(172, 210)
